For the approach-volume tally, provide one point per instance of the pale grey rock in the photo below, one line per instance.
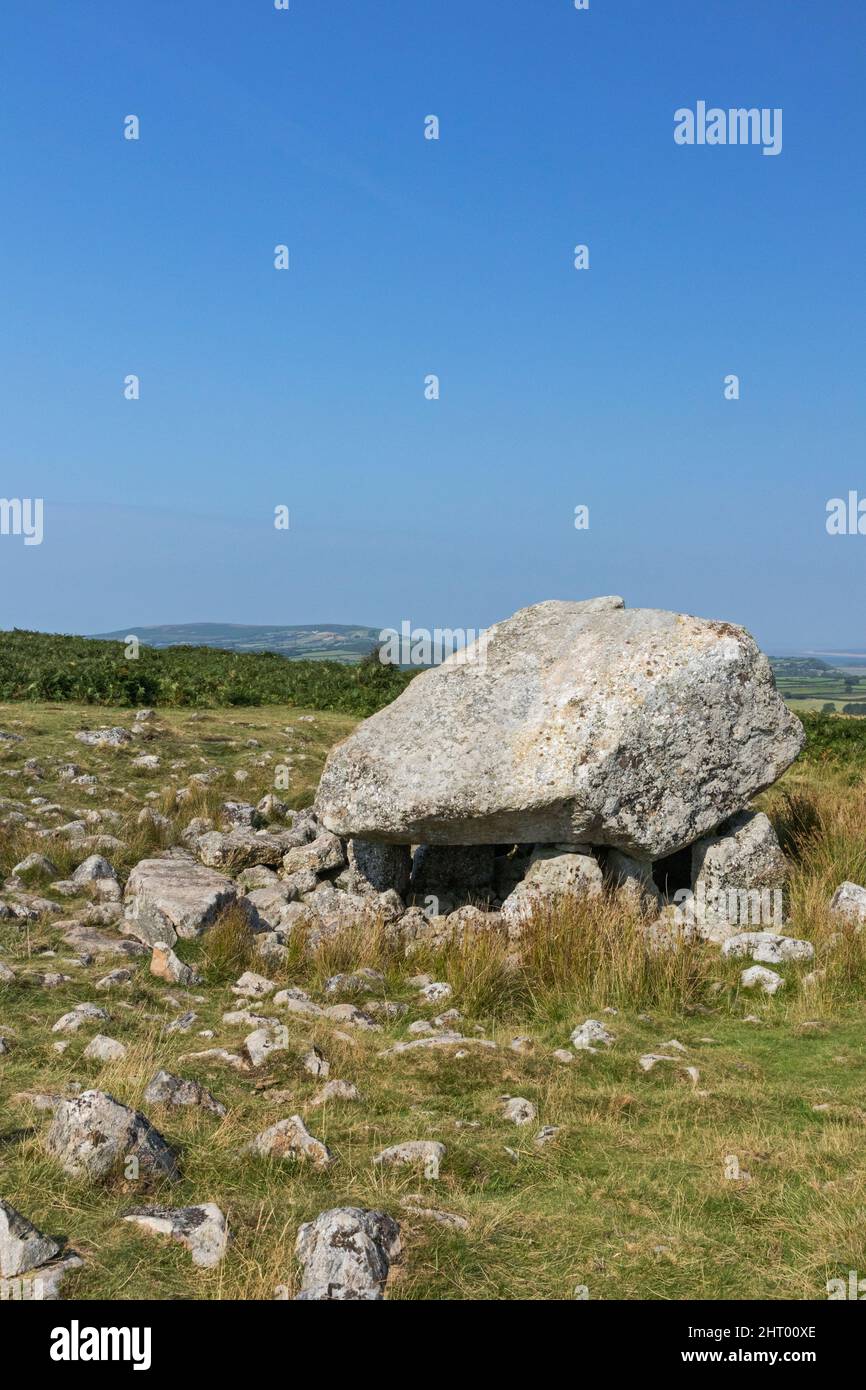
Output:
(33, 867)
(435, 992)
(22, 1246)
(733, 868)
(241, 848)
(166, 1089)
(573, 723)
(93, 1134)
(440, 1040)
(77, 1017)
(587, 1034)
(203, 1230)
(92, 868)
(324, 853)
(105, 738)
(758, 977)
(346, 1254)
(219, 1055)
(355, 982)
(253, 986)
(316, 1063)
(651, 1059)
(518, 1110)
(354, 1017)
(114, 979)
(335, 1090)
(424, 1153)
(555, 875)
(262, 1042)
(632, 880)
(449, 1219)
(849, 902)
(767, 947)
(290, 1139)
(174, 897)
(104, 1049)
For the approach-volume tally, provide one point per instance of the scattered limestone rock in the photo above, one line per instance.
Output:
(849, 902)
(518, 1110)
(105, 738)
(103, 1049)
(335, 1090)
(167, 1089)
(22, 1246)
(262, 1042)
(436, 991)
(587, 1034)
(92, 869)
(253, 986)
(114, 979)
(346, 1254)
(220, 1055)
(428, 1153)
(203, 1229)
(757, 977)
(651, 1059)
(768, 947)
(449, 1219)
(316, 1063)
(291, 1139)
(93, 1134)
(77, 1017)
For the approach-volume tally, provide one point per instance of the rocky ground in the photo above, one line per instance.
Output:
(232, 1065)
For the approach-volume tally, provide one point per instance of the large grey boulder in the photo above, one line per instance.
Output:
(168, 898)
(346, 1254)
(569, 723)
(94, 1135)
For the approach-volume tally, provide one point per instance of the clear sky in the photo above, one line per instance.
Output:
(408, 257)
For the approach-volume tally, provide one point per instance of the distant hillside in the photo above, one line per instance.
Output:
(330, 642)
(799, 666)
(46, 666)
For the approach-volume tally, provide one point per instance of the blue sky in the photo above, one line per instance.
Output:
(409, 257)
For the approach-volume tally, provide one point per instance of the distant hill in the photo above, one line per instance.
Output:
(326, 642)
(799, 666)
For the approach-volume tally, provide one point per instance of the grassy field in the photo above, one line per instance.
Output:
(629, 1198)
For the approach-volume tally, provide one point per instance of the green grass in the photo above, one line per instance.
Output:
(630, 1199)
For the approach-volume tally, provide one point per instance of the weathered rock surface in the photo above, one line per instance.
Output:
(574, 723)
(291, 1139)
(767, 947)
(93, 1134)
(346, 1254)
(202, 1229)
(555, 875)
(167, 1089)
(22, 1246)
(849, 902)
(172, 897)
(426, 1154)
(730, 871)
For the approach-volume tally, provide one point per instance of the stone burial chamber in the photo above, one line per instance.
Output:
(588, 745)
